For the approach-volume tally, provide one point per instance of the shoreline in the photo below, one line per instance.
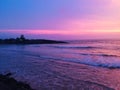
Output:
(57, 75)
(9, 83)
(30, 41)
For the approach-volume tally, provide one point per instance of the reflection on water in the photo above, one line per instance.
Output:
(88, 63)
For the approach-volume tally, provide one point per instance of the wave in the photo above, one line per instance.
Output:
(75, 47)
(111, 63)
(103, 64)
(104, 55)
(103, 60)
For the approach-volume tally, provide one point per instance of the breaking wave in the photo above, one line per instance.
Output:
(75, 47)
(108, 62)
(103, 55)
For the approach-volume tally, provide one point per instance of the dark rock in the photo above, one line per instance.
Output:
(9, 83)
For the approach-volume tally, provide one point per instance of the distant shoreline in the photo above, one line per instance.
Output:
(32, 41)
(23, 40)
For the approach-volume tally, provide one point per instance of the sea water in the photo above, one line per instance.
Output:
(30, 62)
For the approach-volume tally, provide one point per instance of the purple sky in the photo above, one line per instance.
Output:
(55, 18)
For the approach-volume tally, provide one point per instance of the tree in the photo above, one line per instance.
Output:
(22, 38)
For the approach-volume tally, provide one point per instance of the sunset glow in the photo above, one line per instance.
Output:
(60, 44)
(70, 17)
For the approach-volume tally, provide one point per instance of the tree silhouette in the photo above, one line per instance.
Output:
(22, 38)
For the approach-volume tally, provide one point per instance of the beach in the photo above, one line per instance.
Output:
(66, 76)
(59, 44)
(62, 66)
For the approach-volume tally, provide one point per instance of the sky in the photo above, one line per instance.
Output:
(60, 19)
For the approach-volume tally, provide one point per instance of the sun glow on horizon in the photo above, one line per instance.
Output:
(62, 34)
(67, 32)
(73, 18)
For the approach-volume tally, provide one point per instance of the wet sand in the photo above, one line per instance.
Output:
(59, 75)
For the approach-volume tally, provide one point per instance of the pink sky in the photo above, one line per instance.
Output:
(70, 19)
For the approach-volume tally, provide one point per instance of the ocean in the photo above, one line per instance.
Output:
(49, 65)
